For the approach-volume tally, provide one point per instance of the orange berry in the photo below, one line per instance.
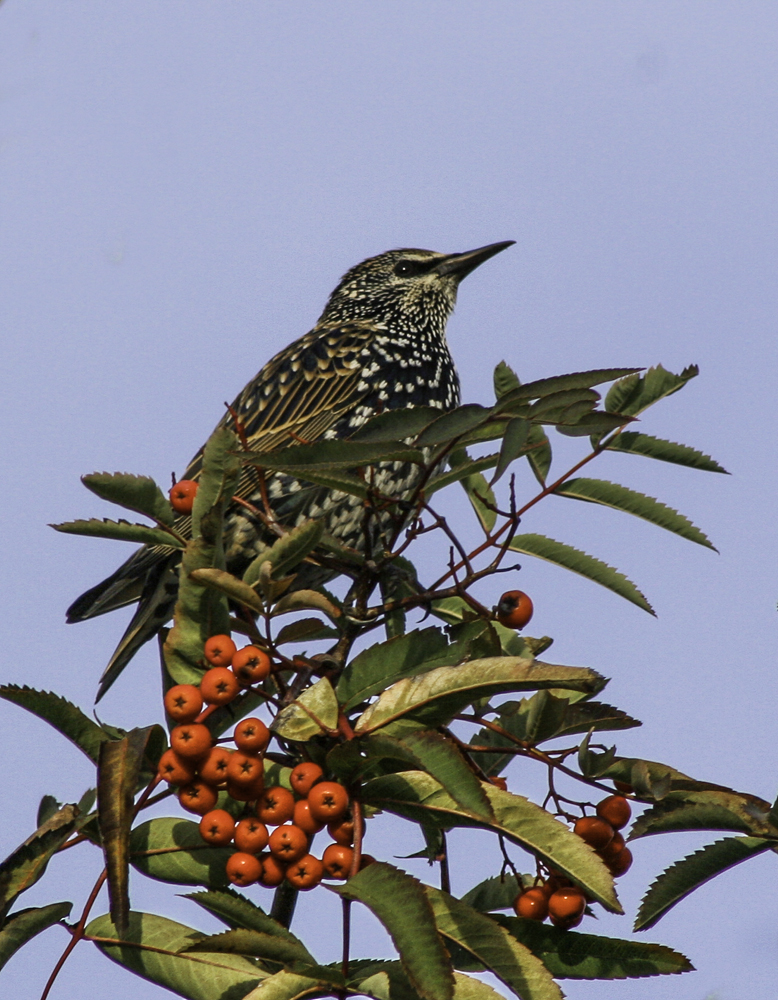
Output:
(251, 736)
(219, 650)
(615, 810)
(251, 835)
(183, 702)
(197, 797)
(302, 817)
(566, 905)
(276, 806)
(623, 786)
(337, 860)
(213, 768)
(288, 843)
(305, 873)
(304, 777)
(244, 769)
(365, 860)
(182, 496)
(621, 863)
(328, 801)
(247, 793)
(514, 609)
(216, 827)
(532, 904)
(596, 832)
(342, 831)
(273, 872)
(219, 686)
(251, 665)
(243, 869)
(176, 770)
(191, 741)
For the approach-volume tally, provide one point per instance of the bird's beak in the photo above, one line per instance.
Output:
(461, 264)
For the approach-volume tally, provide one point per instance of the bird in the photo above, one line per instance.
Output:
(380, 344)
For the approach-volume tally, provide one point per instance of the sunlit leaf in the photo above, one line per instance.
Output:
(230, 585)
(170, 849)
(313, 712)
(138, 493)
(636, 393)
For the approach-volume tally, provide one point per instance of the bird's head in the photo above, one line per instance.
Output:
(407, 290)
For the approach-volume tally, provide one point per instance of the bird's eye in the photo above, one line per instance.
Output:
(407, 268)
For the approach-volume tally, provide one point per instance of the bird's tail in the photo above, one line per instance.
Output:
(148, 577)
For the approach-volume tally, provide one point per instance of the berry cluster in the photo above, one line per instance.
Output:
(201, 770)
(556, 898)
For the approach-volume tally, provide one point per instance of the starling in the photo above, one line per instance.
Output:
(380, 344)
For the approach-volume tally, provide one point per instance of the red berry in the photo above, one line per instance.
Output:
(615, 810)
(514, 609)
(532, 904)
(182, 496)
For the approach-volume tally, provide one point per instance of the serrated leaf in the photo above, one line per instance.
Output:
(460, 472)
(401, 904)
(287, 552)
(497, 893)
(600, 491)
(396, 425)
(586, 715)
(505, 380)
(238, 911)
(695, 870)
(63, 715)
(313, 712)
(598, 423)
(453, 424)
(430, 751)
(379, 665)
(218, 482)
(495, 949)
(539, 453)
(552, 407)
(336, 454)
(705, 810)
(482, 499)
(306, 628)
(636, 393)
(652, 780)
(434, 698)
(635, 443)
(256, 944)
(24, 866)
(153, 948)
(417, 796)
(118, 769)
(138, 493)
(560, 383)
(230, 585)
(307, 600)
(514, 443)
(21, 927)
(291, 986)
(573, 955)
(122, 531)
(170, 849)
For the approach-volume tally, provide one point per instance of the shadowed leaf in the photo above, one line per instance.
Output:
(122, 531)
(170, 849)
(634, 443)
(20, 927)
(138, 493)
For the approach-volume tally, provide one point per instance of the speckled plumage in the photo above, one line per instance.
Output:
(380, 344)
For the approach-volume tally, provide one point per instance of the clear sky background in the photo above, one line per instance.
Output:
(182, 184)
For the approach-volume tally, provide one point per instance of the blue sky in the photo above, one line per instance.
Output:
(182, 185)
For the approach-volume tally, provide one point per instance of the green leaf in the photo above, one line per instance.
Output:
(636, 393)
(693, 871)
(552, 408)
(291, 986)
(313, 712)
(449, 426)
(652, 780)
(217, 484)
(21, 927)
(573, 955)
(118, 770)
(63, 715)
(230, 585)
(46, 809)
(311, 629)
(434, 698)
(138, 493)
(705, 810)
(402, 905)
(493, 947)
(497, 893)
(460, 472)
(153, 948)
(24, 866)
(635, 443)
(396, 425)
(514, 443)
(505, 380)
(379, 665)
(430, 751)
(622, 498)
(287, 552)
(170, 849)
(481, 496)
(539, 453)
(327, 455)
(307, 600)
(256, 944)
(560, 383)
(417, 796)
(238, 912)
(597, 424)
(120, 530)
